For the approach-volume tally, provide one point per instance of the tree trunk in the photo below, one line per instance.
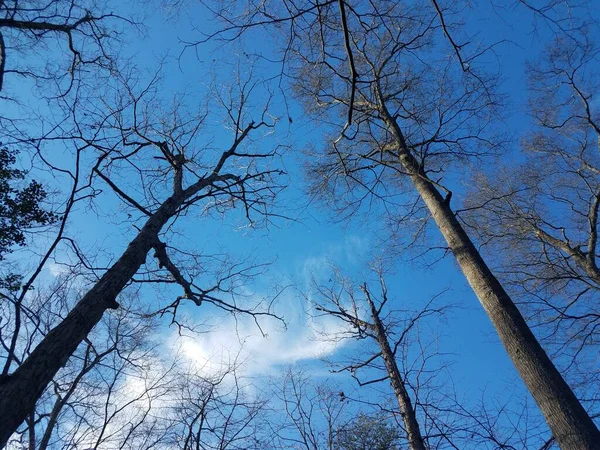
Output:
(568, 420)
(20, 391)
(413, 431)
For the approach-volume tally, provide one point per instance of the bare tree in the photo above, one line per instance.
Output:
(546, 210)
(314, 413)
(35, 36)
(216, 411)
(341, 303)
(175, 173)
(409, 115)
(105, 390)
(398, 346)
(120, 391)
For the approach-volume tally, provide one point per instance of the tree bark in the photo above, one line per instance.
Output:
(20, 391)
(568, 420)
(413, 431)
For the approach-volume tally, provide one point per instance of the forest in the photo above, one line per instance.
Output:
(299, 224)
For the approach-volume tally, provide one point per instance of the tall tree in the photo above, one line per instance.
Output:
(410, 115)
(107, 394)
(392, 341)
(345, 307)
(173, 170)
(545, 210)
(125, 389)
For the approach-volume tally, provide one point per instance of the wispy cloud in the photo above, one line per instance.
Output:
(56, 270)
(240, 342)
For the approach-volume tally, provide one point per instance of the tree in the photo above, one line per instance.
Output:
(82, 30)
(120, 391)
(395, 344)
(312, 413)
(175, 173)
(410, 113)
(125, 389)
(546, 209)
(348, 309)
(215, 411)
(367, 432)
(20, 207)
(107, 394)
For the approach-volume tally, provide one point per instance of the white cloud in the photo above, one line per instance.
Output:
(240, 342)
(56, 270)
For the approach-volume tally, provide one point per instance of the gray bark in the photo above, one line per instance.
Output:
(569, 422)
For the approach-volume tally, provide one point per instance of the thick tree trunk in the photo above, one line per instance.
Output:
(20, 391)
(413, 431)
(568, 420)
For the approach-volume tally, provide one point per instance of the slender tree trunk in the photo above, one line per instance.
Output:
(568, 420)
(20, 390)
(32, 437)
(413, 431)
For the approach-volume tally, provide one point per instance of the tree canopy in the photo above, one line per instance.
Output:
(299, 224)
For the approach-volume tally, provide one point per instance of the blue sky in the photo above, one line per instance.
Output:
(315, 240)
(307, 246)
